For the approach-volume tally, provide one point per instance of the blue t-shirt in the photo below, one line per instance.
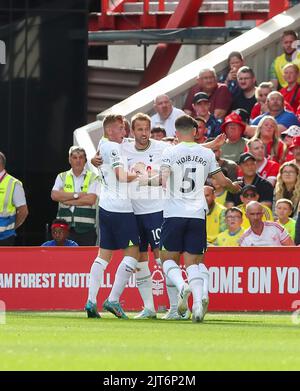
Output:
(285, 118)
(52, 243)
(213, 126)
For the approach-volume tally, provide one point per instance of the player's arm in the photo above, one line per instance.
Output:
(159, 179)
(125, 176)
(223, 181)
(216, 143)
(97, 160)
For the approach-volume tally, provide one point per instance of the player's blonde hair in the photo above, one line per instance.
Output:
(110, 119)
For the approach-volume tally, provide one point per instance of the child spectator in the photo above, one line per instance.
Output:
(60, 232)
(230, 237)
(283, 210)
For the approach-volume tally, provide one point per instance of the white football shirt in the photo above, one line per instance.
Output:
(273, 234)
(145, 199)
(190, 164)
(114, 196)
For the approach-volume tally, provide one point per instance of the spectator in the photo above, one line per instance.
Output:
(261, 93)
(289, 54)
(127, 128)
(230, 237)
(215, 218)
(284, 118)
(13, 208)
(60, 232)
(228, 166)
(235, 144)
(201, 108)
(201, 133)
(266, 168)
(288, 184)
(76, 192)
(287, 137)
(284, 209)
(220, 191)
(245, 97)
(295, 149)
(166, 114)
(235, 62)
(249, 193)
(262, 233)
(219, 96)
(170, 140)
(264, 188)
(291, 93)
(267, 131)
(158, 133)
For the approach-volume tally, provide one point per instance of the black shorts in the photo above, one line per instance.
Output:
(117, 230)
(149, 226)
(181, 234)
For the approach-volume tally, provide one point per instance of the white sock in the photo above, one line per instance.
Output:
(96, 274)
(173, 272)
(124, 272)
(158, 262)
(195, 282)
(172, 294)
(205, 277)
(144, 284)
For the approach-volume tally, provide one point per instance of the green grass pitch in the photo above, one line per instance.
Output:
(70, 341)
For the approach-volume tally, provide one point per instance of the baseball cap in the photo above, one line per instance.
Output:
(200, 96)
(296, 142)
(249, 188)
(245, 156)
(292, 131)
(233, 118)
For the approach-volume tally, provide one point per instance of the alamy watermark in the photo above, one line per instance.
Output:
(2, 52)
(2, 312)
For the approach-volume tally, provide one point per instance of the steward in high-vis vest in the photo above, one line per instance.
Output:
(13, 208)
(289, 44)
(76, 192)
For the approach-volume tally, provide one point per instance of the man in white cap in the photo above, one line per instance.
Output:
(287, 136)
(295, 149)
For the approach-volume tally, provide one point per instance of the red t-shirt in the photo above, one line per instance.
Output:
(221, 98)
(269, 169)
(280, 152)
(288, 96)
